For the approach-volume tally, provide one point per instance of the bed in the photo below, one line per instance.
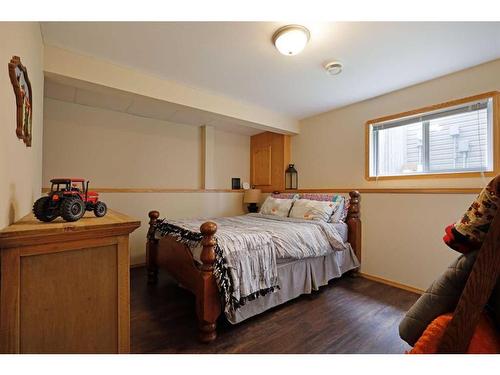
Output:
(280, 270)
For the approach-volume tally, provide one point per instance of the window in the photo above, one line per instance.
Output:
(451, 138)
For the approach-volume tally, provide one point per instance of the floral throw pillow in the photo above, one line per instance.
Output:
(341, 204)
(275, 206)
(312, 210)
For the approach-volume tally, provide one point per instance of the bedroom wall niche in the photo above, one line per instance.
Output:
(401, 232)
(149, 163)
(114, 149)
(20, 166)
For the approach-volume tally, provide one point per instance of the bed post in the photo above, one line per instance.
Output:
(354, 223)
(208, 306)
(152, 249)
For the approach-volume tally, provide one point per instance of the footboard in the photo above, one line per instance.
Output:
(178, 261)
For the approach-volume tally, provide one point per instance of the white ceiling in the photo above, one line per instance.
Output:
(92, 95)
(237, 59)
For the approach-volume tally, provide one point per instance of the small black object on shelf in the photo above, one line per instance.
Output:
(235, 183)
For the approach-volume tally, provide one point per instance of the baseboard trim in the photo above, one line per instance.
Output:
(391, 283)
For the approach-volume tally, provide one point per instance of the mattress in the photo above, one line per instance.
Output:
(342, 229)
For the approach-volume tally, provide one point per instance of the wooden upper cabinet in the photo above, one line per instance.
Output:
(261, 172)
(269, 158)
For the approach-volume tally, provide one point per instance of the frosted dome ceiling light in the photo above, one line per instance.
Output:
(291, 39)
(333, 68)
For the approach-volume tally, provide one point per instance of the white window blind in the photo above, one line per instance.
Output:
(453, 139)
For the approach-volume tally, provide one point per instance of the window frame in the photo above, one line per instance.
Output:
(495, 97)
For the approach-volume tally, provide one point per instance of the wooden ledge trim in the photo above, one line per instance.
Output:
(155, 190)
(322, 190)
(393, 190)
(391, 283)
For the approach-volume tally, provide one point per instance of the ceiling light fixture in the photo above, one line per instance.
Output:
(333, 68)
(291, 39)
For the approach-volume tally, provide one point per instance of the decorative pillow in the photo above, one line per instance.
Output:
(275, 206)
(469, 232)
(340, 206)
(312, 210)
(345, 211)
(293, 196)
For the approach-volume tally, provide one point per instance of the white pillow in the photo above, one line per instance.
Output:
(312, 210)
(275, 206)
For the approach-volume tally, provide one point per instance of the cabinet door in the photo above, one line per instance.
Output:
(261, 162)
(68, 301)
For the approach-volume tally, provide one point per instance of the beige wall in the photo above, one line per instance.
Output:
(114, 149)
(20, 166)
(171, 205)
(402, 233)
(329, 151)
(118, 150)
(231, 158)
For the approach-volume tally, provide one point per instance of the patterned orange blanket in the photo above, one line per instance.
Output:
(484, 341)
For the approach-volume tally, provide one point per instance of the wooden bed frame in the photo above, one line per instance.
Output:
(178, 260)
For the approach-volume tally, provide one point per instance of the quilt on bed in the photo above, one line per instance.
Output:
(248, 246)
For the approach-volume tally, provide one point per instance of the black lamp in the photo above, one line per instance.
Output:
(291, 178)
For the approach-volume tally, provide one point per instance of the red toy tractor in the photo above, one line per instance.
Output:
(68, 198)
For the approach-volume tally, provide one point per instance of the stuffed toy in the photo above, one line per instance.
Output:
(469, 232)
(424, 324)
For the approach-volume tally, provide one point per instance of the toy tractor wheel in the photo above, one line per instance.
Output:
(72, 209)
(100, 209)
(41, 210)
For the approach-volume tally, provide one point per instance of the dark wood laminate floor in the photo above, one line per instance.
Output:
(350, 315)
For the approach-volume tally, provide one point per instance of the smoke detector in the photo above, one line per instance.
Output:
(333, 68)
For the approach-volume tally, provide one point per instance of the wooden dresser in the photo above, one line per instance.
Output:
(65, 287)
